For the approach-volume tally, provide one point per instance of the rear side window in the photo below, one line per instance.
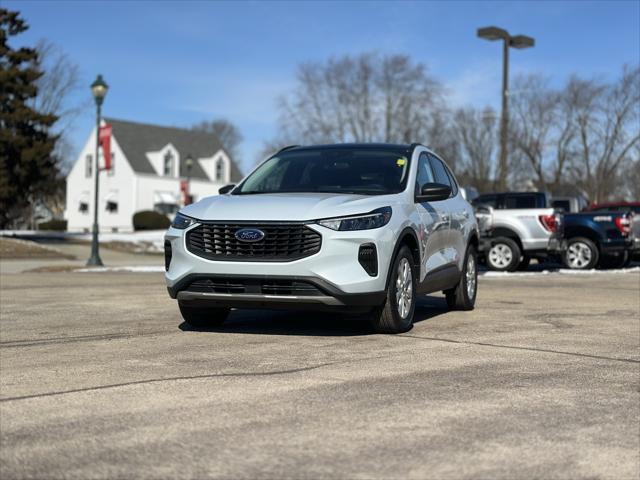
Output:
(520, 201)
(486, 200)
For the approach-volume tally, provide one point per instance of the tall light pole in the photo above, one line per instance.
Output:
(99, 90)
(516, 41)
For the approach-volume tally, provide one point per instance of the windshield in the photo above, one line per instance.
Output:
(364, 171)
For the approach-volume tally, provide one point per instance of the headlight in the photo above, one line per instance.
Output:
(182, 221)
(376, 219)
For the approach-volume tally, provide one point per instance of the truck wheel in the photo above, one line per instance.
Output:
(463, 295)
(203, 317)
(396, 315)
(615, 261)
(504, 255)
(524, 263)
(581, 254)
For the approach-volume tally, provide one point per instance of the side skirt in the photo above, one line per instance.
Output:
(442, 278)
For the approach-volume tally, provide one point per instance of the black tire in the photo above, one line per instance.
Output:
(387, 318)
(201, 317)
(615, 261)
(524, 263)
(503, 255)
(576, 256)
(458, 298)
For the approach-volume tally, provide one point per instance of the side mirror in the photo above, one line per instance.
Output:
(433, 192)
(226, 188)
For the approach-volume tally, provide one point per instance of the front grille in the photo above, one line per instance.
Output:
(281, 242)
(253, 286)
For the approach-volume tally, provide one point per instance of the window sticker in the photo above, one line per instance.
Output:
(401, 162)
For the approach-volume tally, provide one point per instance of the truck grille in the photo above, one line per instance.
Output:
(281, 242)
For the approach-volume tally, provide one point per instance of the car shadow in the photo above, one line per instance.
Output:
(311, 323)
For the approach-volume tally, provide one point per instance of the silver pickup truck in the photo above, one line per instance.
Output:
(510, 238)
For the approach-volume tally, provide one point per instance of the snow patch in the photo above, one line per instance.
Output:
(562, 271)
(132, 269)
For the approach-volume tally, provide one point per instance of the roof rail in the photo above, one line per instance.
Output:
(288, 147)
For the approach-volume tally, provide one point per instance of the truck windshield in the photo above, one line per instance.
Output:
(364, 171)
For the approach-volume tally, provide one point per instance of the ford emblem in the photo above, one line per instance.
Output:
(249, 235)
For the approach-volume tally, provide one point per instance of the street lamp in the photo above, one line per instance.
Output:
(99, 90)
(189, 164)
(519, 42)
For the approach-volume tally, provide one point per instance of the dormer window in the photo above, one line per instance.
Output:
(219, 170)
(168, 164)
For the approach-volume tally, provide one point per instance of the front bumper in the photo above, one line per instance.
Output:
(335, 270)
(320, 295)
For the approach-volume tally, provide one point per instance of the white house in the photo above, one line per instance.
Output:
(148, 165)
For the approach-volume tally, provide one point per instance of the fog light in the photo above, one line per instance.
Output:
(368, 258)
(167, 255)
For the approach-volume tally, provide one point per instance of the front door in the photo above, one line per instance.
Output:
(434, 228)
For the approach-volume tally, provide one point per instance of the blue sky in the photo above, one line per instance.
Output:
(177, 63)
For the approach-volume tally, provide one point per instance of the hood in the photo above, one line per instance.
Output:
(285, 207)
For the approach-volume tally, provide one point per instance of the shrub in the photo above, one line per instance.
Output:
(53, 224)
(150, 220)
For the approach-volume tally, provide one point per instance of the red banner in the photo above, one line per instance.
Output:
(105, 143)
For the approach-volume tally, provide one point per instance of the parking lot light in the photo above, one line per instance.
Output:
(99, 89)
(516, 41)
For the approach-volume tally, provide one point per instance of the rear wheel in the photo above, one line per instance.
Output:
(463, 295)
(581, 254)
(203, 317)
(396, 315)
(504, 255)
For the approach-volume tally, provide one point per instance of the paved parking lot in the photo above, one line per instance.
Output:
(98, 378)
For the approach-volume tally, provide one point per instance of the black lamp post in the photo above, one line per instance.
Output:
(99, 90)
(520, 42)
(189, 164)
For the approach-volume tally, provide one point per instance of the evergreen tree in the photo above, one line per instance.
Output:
(27, 166)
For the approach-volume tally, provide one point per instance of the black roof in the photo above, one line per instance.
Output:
(395, 147)
(136, 139)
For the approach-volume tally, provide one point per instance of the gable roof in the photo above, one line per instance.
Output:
(136, 139)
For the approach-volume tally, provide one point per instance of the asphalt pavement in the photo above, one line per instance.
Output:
(99, 378)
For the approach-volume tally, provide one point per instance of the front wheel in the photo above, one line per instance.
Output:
(620, 260)
(200, 317)
(463, 295)
(396, 315)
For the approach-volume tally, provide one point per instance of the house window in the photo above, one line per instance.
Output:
(168, 163)
(88, 166)
(112, 206)
(112, 170)
(220, 170)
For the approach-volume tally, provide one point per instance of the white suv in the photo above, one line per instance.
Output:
(360, 227)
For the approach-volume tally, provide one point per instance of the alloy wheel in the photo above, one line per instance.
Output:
(578, 255)
(471, 277)
(500, 255)
(404, 288)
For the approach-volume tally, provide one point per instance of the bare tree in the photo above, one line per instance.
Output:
(55, 90)
(228, 134)
(362, 99)
(607, 120)
(476, 134)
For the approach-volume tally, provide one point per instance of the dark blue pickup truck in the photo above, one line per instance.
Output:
(594, 239)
